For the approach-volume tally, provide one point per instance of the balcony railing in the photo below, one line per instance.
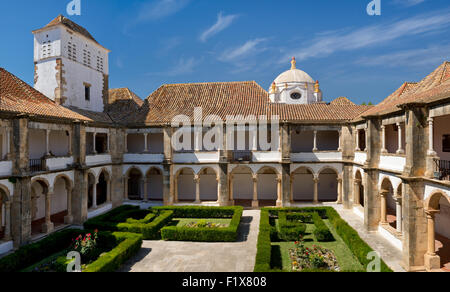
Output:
(242, 155)
(443, 167)
(37, 165)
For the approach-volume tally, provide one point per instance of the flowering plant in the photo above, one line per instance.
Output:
(316, 257)
(85, 245)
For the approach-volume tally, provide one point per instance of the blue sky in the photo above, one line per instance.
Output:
(155, 42)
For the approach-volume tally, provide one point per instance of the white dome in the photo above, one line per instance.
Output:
(294, 76)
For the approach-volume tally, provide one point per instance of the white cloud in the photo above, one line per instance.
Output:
(240, 52)
(183, 66)
(156, 10)
(408, 3)
(432, 55)
(329, 43)
(222, 23)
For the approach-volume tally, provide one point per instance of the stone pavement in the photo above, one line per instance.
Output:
(390, 254)
(175, 256)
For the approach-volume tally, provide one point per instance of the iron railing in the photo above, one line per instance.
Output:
(443, 167)
(37, 165)
(242, 156)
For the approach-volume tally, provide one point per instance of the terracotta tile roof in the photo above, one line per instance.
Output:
(232, 98)
(342, 101)
(99, 117)
(16, 96)
(123, 103)
(60, 19)
(432, 88)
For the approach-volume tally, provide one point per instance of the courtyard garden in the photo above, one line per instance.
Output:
(309, 239)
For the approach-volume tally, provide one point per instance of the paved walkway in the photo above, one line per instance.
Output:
(388, 252)
(174, 256)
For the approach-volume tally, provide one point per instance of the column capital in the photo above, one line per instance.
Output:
(431, 213)
(430, 120)
(196, 178)
(384, 193)
(316, 179)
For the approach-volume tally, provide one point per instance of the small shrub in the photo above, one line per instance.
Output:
(322, 232)
(289, 230)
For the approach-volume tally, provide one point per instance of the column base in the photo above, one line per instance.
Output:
(197, 202)
(431, 153)
(255, 204)
(48, 227)
(400, 152)
(279, 204)
(68, 219)
(432, 262)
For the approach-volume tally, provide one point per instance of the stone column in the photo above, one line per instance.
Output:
(357, 140)
(48, 226)
(197, 189)
(316, 190)
(7, 235)
(69, 218)
(431, 151)
(175, 199)
(70, 152)
(232, 189)
(255, 202)
(94, 194)
(126, 142)
(8, 144)
(107, 142)
(94, 142)
(47, 142)
(125, 183)
(383, 197)
(432, 261)
(315, 141)
(145, 190)
(400, 149)
(291, 194)
(356, 192)
(398, 213)
(145, 143)
(383, 139)
(339, 189)
(340, 141)
(279, 192)
(108, 190)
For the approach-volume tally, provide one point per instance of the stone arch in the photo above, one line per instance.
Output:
(155, 184)
(61, 210)
(106, 172)
(329, 167)
(241, 185)
(103, 187)
(267, 185)
(302, 186)
(135, 179)
(40, 216)
(185, 184)
(5, 214)
(358, 189)
(328, 184)
(92, 182)
(437, 208)
(306, 167)
(208, 184)
(388, 202)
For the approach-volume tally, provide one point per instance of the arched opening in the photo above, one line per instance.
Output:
(60, 200)
(39, 190)
(242, 186)
(388, 204)
(102, 188)
(135, 184)
(155, 184)
(91, 186)
(267, 186)
(186, 186)
(303, 185)
(5, 216)
(358, 189)
(439, 212)
(208, 185)
(328, 185)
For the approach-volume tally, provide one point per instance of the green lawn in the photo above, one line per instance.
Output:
(347, 261)
(180, 222)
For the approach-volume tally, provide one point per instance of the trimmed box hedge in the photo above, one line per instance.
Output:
(289, 230)
(351, 238)
(228, 234)
(127, 245)
(150, 231)
(110, 220)
(322, 232)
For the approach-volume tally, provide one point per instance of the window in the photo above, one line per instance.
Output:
(87, 93)
(296, 95)
(446, 143)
